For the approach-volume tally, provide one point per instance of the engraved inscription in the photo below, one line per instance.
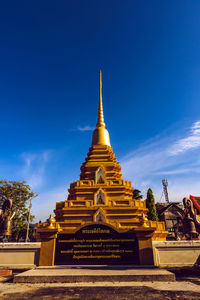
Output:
(96, 244)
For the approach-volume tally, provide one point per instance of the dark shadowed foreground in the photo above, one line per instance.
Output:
(97, 292)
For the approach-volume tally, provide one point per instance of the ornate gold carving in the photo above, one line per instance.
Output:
(144, 220)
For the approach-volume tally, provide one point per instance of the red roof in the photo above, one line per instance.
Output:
(196, 201)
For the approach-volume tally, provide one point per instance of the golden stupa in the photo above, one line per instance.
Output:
(100, 196)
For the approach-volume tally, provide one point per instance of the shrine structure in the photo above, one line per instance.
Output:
(100, 203)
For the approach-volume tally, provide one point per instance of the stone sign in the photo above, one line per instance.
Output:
(97, 244)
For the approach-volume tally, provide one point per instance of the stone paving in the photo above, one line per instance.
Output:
(102, 290)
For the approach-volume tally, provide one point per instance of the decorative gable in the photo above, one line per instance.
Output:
(99, 216)
(100, 176)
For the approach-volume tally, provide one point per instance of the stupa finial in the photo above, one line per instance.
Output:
(100, 134)
(100, 120)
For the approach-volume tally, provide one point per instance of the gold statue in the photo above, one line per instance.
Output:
(6, 216)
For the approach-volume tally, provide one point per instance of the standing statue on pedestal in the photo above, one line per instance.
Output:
(6, 216)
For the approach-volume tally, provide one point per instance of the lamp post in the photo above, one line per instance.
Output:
(28, 220)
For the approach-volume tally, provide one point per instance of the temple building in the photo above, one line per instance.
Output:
(100, 196)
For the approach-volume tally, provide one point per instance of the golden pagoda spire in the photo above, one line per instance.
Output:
(100, 120)
(100, 134)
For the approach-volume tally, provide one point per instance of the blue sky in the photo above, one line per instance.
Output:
(50, 56)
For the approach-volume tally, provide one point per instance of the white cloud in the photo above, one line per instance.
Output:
(178, 171)
(34, 167)
(85, 128)
(196, 127)
(157, 159)
(45, 203)
(192, 141)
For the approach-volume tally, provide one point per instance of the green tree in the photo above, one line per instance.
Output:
(137, 194)
(20, 193)
(150, 204)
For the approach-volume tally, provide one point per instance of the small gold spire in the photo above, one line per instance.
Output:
(100, 120)
(100, 134)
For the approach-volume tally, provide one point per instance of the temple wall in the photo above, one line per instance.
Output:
(166, 254)
(176, 253)
(19, 255)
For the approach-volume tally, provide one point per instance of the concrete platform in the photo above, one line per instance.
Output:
(74, 274)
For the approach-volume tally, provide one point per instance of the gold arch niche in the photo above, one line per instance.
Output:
(99, 198)
(99, 216)
(100, 176)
